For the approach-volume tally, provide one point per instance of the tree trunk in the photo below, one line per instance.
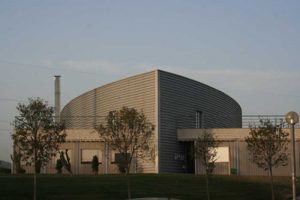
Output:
(271, 182)
(35, 164)
(34, 175)
(128, 165)
(38, 167)
(128, 185)
(207, 188)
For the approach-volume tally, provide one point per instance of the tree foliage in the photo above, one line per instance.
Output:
(16, 159)
(205, 152)
(95, 164)
(128, 132)
(36, 134)
(267, 144)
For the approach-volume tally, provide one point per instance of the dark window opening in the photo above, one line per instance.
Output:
(198, 119)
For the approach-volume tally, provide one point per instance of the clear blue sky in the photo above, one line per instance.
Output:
(248, 49)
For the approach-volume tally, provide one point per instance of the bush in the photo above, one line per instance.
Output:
(95, 164)
(59, 166)
(4, 171)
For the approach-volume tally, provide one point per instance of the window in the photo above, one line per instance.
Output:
(198, 119)
(118, 157)
(88, 154)
(222, 154)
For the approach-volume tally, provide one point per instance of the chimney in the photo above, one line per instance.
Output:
(57, 98)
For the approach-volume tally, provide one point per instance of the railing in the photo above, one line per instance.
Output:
(181, 121)
(254, 120)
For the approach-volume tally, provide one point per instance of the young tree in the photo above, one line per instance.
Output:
(129, 133)
(95, 164)
(205, 152)
(267, 144)
(36, 133)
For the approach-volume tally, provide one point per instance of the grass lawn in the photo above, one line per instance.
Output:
(181, 186)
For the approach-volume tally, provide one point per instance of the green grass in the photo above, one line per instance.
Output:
(181, 186)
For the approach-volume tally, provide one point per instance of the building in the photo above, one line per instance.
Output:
(169, 101)
(180, 109)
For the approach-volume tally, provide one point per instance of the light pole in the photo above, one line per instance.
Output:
(292, 118)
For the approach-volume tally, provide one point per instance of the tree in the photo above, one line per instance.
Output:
(267, 144)
(129, 133)
(205, 152)
(58, 166)
(95, 164)
(36, 134)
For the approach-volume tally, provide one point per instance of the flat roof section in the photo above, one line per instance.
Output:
(221, 133)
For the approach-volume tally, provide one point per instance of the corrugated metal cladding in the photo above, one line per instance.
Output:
(179, 100)
(90, 109)
(169, 101)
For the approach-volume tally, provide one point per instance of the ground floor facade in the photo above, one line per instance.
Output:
(81, 145)
(232, 154)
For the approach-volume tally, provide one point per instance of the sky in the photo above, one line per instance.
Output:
(247, 49)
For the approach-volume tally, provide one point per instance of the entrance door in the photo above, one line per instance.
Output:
(190, 158)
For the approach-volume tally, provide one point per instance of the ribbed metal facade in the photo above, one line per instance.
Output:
(169, 101)
(179, 100)
(90, 109)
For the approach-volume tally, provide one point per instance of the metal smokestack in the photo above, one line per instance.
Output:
(57, 97)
